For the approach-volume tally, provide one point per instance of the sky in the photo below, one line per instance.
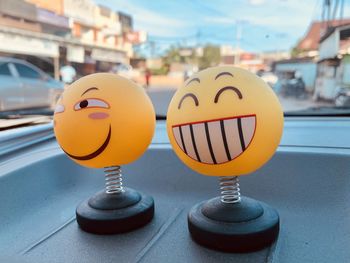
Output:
(265, 25)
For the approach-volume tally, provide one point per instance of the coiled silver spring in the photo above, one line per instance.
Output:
(113, 178)
(230, 191)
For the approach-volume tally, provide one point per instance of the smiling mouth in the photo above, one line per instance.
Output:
(95, 153)
(216, 141)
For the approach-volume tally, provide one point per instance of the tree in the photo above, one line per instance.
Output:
(211, 57)
(296, 52)
(172, 55)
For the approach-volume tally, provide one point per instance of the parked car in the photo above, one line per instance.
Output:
(270, 78)
(126, 71)
(22, 85)
(342, 98)
(290, 84)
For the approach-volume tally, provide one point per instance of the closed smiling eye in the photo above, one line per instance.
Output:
(237, 91)
(91, 103)
(188, 95)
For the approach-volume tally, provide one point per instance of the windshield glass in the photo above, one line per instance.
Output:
(301, 50)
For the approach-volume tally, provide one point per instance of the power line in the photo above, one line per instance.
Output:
(341, 11)
(314, 15)
(172, 37)
(335, 8)
(209, 8)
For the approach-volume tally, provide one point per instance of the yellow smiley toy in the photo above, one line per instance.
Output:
(224, 121)
(103, 120)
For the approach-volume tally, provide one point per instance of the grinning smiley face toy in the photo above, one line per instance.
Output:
(224, 121)
(227, 122)
(104, 119)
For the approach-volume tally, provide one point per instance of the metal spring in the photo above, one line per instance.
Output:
(230, 191)
(113, 178)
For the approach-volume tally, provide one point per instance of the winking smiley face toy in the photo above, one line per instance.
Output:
(227, 122)
(104, 120)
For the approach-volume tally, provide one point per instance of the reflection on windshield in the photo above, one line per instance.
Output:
(46, 45)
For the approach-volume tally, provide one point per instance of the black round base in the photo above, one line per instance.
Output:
(242, 227)
(115, 213)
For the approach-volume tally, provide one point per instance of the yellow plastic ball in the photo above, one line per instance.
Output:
(103, 120)
(224, 121)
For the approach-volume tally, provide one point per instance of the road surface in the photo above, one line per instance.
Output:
(161, 96)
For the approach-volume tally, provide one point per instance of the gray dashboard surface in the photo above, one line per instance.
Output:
(307, 181)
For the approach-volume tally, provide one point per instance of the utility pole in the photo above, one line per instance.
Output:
(328, 7)
(341, 16)
(330, 10)
(238, 39)
(196, 49)
(153, 48)
(198, 36)
(335, 9)
(326, 16)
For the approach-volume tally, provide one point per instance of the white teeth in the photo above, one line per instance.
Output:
(186, 133)
(232, 138)
(248, 125)
(217, 141)
(202, 143)
(176, 132)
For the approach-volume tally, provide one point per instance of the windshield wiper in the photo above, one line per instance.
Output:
(9, 123)
(160, 117)
(321, 111)
(24, 112)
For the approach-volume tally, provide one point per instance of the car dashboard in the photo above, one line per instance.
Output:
(307, 181)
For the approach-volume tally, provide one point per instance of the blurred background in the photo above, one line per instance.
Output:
(300, 48)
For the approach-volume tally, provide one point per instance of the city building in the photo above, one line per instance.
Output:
(21, 27)
(333, 66)
(52, 33)
(229, 54)
(309, 44)
(306, 68)
(325, 48)
(269, 57)
(240, 58)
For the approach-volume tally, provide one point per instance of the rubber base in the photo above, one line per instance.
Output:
(242, 227)
(115, 213)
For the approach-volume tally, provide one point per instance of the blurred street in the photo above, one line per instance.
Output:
(162, 89)
(294, 104)
(47, 45)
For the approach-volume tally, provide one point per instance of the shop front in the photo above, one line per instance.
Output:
(41, 52)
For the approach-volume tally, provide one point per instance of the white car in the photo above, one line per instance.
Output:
(269, 78)
(22, 85)
(126, 71)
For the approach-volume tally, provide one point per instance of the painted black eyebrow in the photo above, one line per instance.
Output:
(195, 79)
(89, 89)
(188, 95)
(227, 88)
(223, 73)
